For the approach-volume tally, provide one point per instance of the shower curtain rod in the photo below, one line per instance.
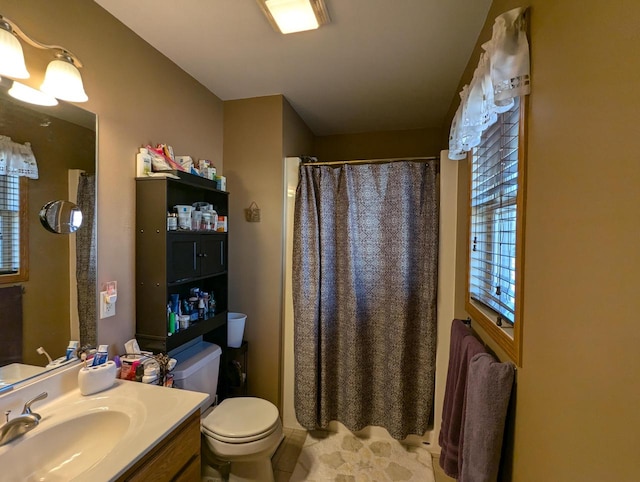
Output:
(371, 161)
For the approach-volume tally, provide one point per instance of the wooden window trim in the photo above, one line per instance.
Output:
(23, 272)
(511, 344)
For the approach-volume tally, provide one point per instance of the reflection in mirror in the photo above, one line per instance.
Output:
(14, 233)
(56, 301)
(61, 217)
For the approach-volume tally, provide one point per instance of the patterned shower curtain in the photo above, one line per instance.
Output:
(86, 259)
(364, 291)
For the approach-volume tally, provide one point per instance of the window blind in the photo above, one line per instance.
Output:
(9, 224)
(494, 190)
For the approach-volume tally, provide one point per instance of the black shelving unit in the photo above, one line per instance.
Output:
(234, 363)
(174, 262)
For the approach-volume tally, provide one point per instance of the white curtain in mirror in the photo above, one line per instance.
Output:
(17, 159)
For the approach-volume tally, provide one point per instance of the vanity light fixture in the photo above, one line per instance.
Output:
(62, 78)
(11, 55)
(33, 96)
(289, 16)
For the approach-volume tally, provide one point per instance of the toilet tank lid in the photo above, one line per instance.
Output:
(194, 359)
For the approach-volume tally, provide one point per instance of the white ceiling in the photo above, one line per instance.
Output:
(379, 65)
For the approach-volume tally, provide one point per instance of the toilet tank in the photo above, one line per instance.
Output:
(197, 370)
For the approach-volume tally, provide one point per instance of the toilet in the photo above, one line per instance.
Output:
(244, 431)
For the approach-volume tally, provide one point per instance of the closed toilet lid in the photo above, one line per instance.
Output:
(241, 419)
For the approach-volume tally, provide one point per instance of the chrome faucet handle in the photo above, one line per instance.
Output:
(27, 406)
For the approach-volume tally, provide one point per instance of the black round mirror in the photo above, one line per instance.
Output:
(61, 217)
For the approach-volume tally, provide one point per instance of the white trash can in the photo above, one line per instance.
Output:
(235, 329)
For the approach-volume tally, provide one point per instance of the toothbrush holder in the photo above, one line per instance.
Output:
(95, 379)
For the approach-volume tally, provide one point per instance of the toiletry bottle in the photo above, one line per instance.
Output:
(212, 304)
(172, 222)
(133, 369)
(102, 355)
(143, 162)
(172, 323)
(71, 349)
(205, 297)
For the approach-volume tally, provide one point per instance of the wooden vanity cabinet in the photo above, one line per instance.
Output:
(174, 262)
(176, 458)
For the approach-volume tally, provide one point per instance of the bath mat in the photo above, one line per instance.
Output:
(343, 457)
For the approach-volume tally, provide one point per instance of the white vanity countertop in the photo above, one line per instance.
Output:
(146, 414)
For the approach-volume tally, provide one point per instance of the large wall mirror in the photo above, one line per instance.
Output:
(48, 291)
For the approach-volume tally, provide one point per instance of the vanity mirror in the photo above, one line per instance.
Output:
(48, 289)
(62, 217)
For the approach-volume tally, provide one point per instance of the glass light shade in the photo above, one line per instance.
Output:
(29, 94)
(292, 15)
(62, 80)
(11, 56)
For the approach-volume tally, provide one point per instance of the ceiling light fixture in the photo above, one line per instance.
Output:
(62, 79)
(289, 16)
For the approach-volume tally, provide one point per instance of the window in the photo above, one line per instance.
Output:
(13, 229)
(496, 218)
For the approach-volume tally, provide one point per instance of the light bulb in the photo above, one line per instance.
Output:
(63, 81)
(29, 94)
(11, 55)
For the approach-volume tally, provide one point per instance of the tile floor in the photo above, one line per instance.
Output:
(439, 473)
(285, 458)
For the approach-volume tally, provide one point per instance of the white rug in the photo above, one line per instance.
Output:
(343, 457)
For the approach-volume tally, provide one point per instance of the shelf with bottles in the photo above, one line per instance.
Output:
(183, 299)
(181, 337)
(184, 309)
(174, 262)
(207, 206)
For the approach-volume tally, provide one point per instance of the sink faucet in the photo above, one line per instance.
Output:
(17, 427)
(27, 406)
(21, 424)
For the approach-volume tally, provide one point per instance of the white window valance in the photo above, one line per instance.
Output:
(502, 74)
(17, 159)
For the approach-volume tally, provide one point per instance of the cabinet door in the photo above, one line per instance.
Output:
(182, 258)
(212, 255)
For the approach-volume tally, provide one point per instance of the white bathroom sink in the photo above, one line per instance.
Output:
(16, 372)
(97, 437)
(64, 451)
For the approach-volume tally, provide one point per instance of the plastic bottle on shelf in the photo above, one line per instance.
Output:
(212, 304)
(143, 162)
(172, 222)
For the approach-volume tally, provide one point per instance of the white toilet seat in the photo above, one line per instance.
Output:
(246, 432)
(239, 440)
(241, 420)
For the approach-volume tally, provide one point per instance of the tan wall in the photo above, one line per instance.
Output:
(140, 97)
(297, 137)
(257, 134)
(379, 145)
(577, 390)
(252, 152)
